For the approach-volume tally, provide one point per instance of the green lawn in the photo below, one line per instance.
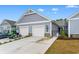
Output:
(64, 47)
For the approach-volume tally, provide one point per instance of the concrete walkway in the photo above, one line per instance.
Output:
(27, 46)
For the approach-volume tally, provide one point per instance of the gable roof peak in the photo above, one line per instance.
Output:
(74, 14)
(29, 11)
(11, 22)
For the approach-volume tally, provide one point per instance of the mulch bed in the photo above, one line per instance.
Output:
(66, 38)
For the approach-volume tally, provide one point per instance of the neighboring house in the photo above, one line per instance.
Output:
(0, 29)
(7, 26)
(63, 24)
(36, 25)
(73, 25)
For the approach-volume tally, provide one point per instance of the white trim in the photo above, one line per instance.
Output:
(73, 18)
(32, 22)
(69, 28)
(73, 15)
(50, 29)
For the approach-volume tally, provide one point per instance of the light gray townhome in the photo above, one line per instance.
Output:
(73, 25)
(35, 24)
(0, 29)
(7, 26)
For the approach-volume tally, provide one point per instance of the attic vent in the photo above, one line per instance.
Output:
(30, 11)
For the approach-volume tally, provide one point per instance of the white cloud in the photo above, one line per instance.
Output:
(72, 6)
(40, 9)
(55, 9)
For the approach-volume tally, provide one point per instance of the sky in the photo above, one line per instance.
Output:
(53, 12)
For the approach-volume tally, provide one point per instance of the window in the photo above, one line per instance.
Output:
(47, 28)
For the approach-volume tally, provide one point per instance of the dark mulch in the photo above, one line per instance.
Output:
(66, 38)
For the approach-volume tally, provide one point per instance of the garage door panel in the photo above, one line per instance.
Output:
(38, 30)
(24, 30)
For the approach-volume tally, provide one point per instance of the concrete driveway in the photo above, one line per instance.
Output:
(26, 46)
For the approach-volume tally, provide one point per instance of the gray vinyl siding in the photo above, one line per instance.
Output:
(54, 29)
(32, 18)
(74, 26)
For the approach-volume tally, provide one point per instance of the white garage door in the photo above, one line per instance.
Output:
(24, 30)
(38, 30)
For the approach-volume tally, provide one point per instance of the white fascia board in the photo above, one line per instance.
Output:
(32, 22)
(73, 14)
(74, 18)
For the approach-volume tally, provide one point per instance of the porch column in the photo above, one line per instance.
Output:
(50, 28)
(69, 28)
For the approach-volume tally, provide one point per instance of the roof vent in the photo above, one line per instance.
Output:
(30, 11)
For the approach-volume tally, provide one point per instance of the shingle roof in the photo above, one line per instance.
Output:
(61, 23)
(32, 16)
(53, 21)
(12, 23)
(74, 15)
